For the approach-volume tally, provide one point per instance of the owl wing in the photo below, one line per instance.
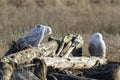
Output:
(92, 49)
(102, 49)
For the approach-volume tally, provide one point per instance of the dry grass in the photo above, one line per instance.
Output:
(17, 17)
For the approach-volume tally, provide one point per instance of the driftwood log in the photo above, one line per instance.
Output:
(74, 62)
(46, 49)
(49, 52)
(65, 63)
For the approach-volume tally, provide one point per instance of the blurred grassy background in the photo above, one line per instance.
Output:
(17, 17)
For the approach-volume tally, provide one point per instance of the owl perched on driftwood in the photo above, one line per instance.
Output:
(97, 45)
(32, 38)
(35, 36)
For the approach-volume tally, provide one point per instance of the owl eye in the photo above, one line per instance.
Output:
(38, 26)
(97, 36)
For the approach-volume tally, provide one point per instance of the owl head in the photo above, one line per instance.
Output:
(96, 36)
(47, 29)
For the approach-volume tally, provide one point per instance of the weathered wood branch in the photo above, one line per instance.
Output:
(69, 44)
(64, 41)
(74, 62)
(60, 48)
(66, 48)
(40, 69)
(46, 49)
(6, 71)
(76, 43)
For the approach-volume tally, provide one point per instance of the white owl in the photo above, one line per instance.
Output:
(34, 36)
(97, 45)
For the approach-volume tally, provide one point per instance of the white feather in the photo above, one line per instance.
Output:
(98, 42)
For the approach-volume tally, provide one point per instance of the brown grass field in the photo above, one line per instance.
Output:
(85, 17)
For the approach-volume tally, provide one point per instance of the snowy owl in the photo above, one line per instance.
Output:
(97, 45)
(34, 36)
